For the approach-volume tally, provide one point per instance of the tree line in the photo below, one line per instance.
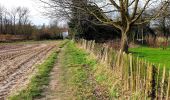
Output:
(17, 22)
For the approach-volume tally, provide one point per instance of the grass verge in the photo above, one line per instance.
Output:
(35, 87)
(76, 73)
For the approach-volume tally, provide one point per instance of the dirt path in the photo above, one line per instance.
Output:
(64, 83)
(54, 85)
(56, 89)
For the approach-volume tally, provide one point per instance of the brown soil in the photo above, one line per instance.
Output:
(18, 63)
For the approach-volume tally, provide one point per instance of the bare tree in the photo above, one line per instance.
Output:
(1, 18)
(6, 21)
(122, 14)
(23, 14)
(14, 18)
(164, 22)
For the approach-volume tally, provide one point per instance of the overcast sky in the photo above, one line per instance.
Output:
(34, 6)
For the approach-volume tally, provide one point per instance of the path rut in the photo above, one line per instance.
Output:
(56, 89)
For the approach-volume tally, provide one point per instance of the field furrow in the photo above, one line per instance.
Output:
(16, 66)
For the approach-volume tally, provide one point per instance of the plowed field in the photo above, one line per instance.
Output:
(18, 62)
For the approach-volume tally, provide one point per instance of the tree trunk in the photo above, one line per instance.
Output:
(14, 26)
(124, 43)
(1, 25)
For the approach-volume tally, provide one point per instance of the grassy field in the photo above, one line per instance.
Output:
(153, 55)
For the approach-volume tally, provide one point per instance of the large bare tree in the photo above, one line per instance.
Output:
(122, 14)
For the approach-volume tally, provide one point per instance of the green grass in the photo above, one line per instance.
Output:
(64, 43)
(76, 68)
(153, 55)
(35, 87)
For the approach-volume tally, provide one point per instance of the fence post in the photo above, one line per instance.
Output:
(157, 81)
(131, 71)
(167, 92)
(153, 91)
(162, 83)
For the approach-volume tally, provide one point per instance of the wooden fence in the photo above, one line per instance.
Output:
(139, 79)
